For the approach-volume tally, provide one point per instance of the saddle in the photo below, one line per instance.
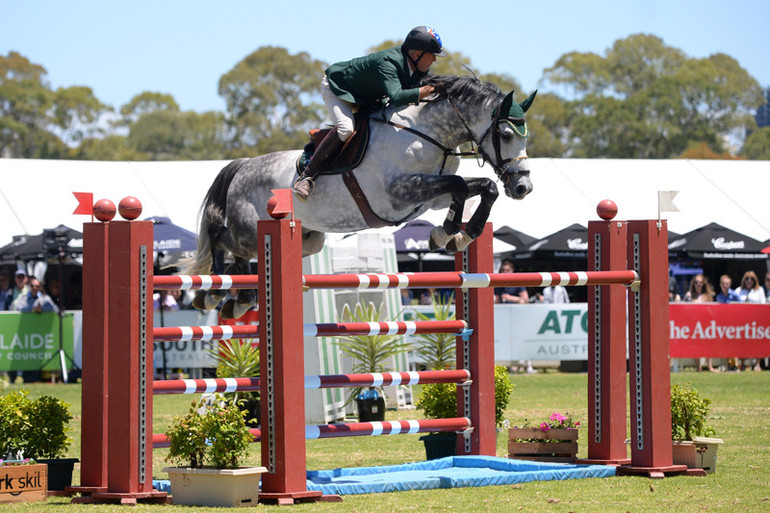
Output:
(349, 158)
(352, 152)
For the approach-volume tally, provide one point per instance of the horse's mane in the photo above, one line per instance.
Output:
(464, 89)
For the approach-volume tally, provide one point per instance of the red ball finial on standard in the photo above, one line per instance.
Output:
(130, 208)
(607, 209)
(271, 204)
(104, 210)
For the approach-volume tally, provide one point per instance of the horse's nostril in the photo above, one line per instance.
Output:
(521, 190)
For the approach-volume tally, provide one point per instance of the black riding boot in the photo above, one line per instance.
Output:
(327, 150)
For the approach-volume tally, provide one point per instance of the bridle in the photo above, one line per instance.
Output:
(499, 164)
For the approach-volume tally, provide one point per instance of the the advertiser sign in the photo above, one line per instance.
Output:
(719, 331)
(30, 340)
(541, 332)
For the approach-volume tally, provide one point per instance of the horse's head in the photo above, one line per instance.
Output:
(508, 139)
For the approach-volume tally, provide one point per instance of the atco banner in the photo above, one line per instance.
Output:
(30, 340)
(541, 332)
(719, 331)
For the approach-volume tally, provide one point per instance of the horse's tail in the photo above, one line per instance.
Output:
(212, 216)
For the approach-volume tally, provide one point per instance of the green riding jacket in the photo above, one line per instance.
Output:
(370, 79)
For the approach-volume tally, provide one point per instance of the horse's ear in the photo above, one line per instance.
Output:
(505, 106)
(526, 104)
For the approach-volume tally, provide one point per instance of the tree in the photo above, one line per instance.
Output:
(169, 134)
(25, 102)
(273, 99)
(77, 113)
(644, 99)
(757, 145)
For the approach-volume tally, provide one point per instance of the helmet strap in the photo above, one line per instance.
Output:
(415, 61)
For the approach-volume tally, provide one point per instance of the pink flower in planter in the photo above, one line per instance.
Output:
(544, 427)
(558, 417)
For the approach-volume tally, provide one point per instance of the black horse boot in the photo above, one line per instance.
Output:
(327, 150)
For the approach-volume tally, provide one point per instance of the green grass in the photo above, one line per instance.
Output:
(740, 411)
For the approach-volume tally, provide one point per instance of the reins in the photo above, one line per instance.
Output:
(499, 164)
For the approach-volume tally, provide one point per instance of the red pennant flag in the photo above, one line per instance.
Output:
(285, 203)
(85, 203)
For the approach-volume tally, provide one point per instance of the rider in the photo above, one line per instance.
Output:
(391, 74)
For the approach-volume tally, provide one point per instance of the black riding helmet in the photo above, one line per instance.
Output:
(425, 39)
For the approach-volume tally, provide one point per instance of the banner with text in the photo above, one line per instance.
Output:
(719, 331)
(541, 332)
(30, 340)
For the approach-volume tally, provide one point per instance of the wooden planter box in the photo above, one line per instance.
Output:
(23, 483)
(554, 445)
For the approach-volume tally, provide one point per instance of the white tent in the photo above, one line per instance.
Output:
(37, 194)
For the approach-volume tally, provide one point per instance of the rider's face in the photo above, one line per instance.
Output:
(425, 62)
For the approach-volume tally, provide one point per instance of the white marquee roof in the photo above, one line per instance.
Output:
(37, 194)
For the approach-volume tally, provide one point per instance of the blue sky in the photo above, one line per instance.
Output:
(121, 48)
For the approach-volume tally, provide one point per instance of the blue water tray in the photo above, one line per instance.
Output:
(450, 472)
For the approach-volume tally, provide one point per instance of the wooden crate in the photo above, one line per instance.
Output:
(23, 483)
(554, 445)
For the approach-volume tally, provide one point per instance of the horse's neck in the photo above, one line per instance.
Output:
(443, 122)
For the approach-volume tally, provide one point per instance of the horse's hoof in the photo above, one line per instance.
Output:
(438, 238)
(238, 309)
(213, 298)
(199, 301)
(228, 310)
(462, 240)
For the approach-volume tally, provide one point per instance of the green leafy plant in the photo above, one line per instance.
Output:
(437, 350)
(237, 359)
(439, 400)
(214, 432)
(33, 428)
(369, 352)
(47, 436)
(689, 412)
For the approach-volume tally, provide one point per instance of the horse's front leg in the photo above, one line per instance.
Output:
(420, 189)
(487, 190)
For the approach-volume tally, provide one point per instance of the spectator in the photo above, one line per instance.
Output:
(700, 290)
(168, 301)
(767, 287)
(35, 299)
(555, 294)
(673, 290)
(750, 290)
(510, 294)
(6, 292)
(20, 287)
(727, 294)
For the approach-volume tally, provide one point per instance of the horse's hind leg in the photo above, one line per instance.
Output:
(487, 190)
(209, 299)
(246, 298)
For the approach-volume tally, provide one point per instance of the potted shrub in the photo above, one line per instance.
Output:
(692, 445)
(38, 429)
(240, 359)
(370, 353)
(439, 401)
(554, 440)
(216, 433)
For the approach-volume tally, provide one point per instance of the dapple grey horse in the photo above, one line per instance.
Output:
(408, 168)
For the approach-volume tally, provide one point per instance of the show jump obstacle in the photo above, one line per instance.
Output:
(118, 336)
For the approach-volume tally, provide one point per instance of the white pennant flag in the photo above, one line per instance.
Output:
(666, 202)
